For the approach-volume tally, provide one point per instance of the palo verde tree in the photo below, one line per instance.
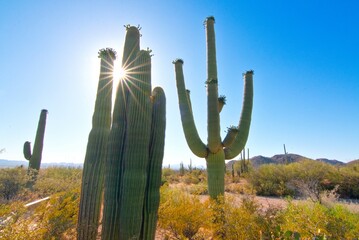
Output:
(93, 171)
(216, 150)
(135, 149)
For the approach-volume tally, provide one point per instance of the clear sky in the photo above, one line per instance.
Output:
(305, 56)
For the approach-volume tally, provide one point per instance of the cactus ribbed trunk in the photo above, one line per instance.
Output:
(215, 171)
(152, 197)
(36, 155)
(216, 150)
(213, 120)
(93, 171)
(135, 149)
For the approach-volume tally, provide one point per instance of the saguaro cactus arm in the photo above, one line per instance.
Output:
(190, 131)
(245, 120)
(213, 124)
(230, 137)
(27, 150)
(221, 102)
(92, 177)
(152, 199)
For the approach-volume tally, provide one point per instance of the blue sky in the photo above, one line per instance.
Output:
(305, 56)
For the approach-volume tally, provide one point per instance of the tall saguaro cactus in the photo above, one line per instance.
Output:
(93, 172)
(135, 149)
(216, 150)
(36, 155)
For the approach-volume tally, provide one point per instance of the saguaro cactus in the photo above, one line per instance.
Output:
(135, 149)
(93, 172)
(36, 155)
(216, 150)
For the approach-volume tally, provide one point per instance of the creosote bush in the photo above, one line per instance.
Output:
(12, 182)
(53, 219)
(306, 179)
(57, 179)
(181, 216)
(316, 221)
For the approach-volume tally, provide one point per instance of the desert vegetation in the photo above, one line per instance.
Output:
(187, 212)
(122, 191)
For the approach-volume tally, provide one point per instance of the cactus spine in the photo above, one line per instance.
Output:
(36, 155)
(92, 178)
(216, 150)
(135, 149)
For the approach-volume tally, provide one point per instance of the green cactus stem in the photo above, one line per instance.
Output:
(135, 149)
(36, 155)
(152, 197)
(194, 142)
(93, 172)
(216, 150)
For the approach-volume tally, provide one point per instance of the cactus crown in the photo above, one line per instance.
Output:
(129, 26)
(149, 52)
(104, 52)
(222, 99)
(232, 129)
(177, 60)
(249, 72)
(209, 18)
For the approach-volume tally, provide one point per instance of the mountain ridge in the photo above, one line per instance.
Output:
(17, 163)
(256, 161)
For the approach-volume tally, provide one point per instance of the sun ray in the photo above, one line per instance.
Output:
(129, 75)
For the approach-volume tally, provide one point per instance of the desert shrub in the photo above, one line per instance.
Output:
(57, 179)
(12, 182)
(234, 188)
(316, 221)
(270, 219)
(270, 180)
(59, 215)
(308, 219)
(306, 179)
(349, 181)
(233, 220)
(342, 224)
(198, 189)
(190, 179)
(169, 176)
(50, 220)
(310, 178)
(198, 173)
(180, 215)
(14, 224)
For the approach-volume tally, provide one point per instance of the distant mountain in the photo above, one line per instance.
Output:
(288, 158)
(12, 163)
(16, 163)
(331, 161)
(283, 159)
(259, 160)
(354, 162)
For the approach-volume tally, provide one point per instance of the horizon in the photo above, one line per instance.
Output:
(304, 56)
